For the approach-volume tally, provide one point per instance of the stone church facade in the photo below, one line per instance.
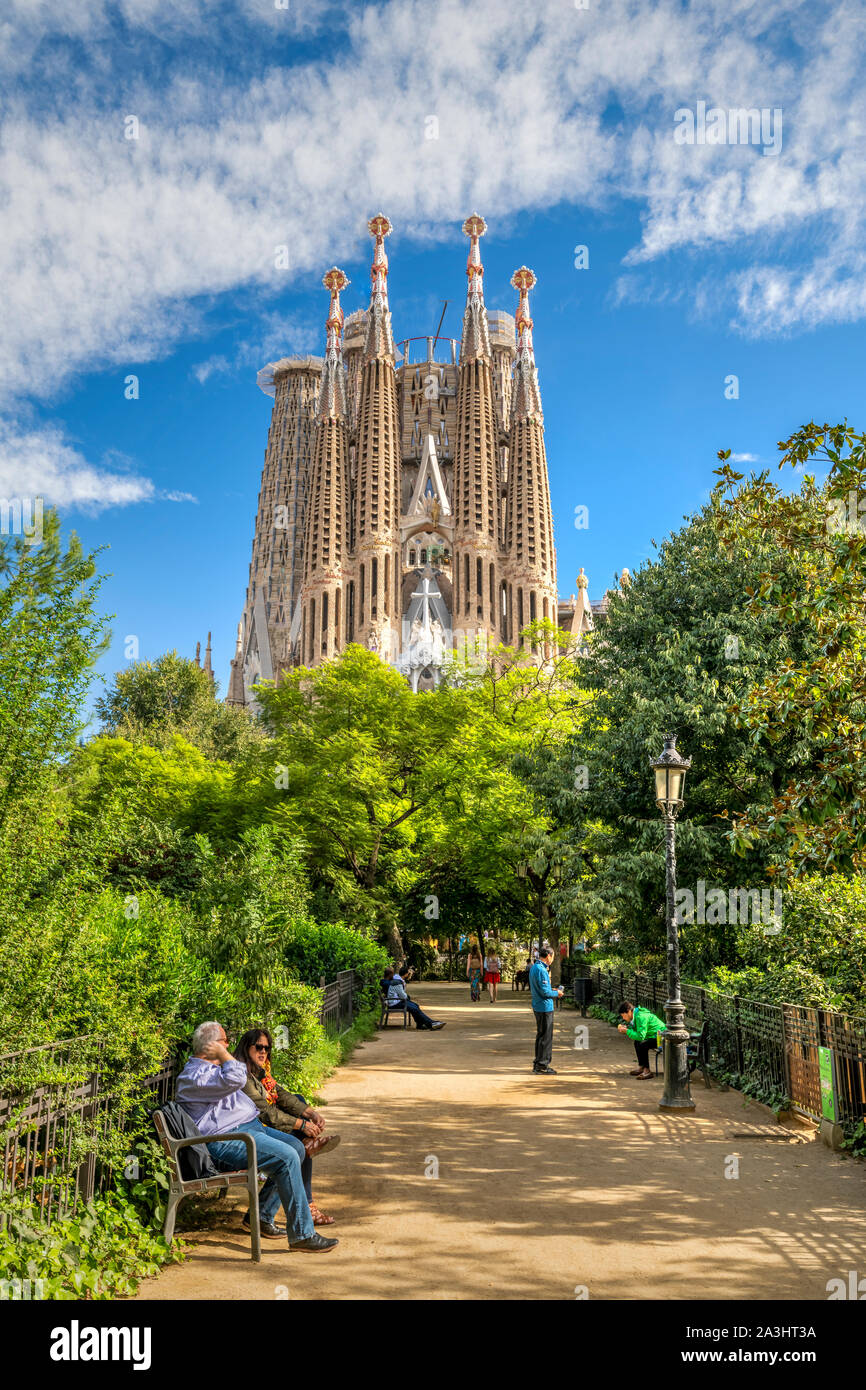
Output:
(405, 502)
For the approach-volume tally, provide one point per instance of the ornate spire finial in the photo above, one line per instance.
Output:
(526, 397)
(582, 581)
(380, 342)
(474, 227)
(332, 392)
(476, 336)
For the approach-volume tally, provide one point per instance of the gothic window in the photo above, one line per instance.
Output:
(387, 583)
(412, 558)
(324, 624)
(424, 556)
(374, 588)
(312, 630)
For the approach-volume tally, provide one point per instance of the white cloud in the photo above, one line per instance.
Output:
(38, 462)
(745, 458)
(115, 248)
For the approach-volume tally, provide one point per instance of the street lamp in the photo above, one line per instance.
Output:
(670, 770)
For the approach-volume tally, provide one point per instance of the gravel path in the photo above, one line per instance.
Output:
(548, 1187)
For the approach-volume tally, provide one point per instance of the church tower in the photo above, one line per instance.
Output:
(405, 502)
(531, 558)
(376, 616)
(476, 465)
(326, 554)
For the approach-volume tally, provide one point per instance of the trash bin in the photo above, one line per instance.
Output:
(582, 994)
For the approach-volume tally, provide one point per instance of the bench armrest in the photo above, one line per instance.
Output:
(247, 1139)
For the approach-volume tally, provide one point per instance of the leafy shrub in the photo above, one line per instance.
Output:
(101, 1252)
(315, 949)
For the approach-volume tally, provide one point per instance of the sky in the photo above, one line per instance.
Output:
(157, 154)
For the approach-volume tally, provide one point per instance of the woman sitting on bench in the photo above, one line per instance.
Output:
(287, 1114)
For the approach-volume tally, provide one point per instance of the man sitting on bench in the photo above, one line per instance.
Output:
(641, 1025)
(397, 995)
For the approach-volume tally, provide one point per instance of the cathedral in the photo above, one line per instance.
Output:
(405, 502)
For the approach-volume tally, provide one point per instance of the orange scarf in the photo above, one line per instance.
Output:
(269, 1083)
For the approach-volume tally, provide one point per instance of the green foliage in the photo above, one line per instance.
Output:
(855, 1142)
(677, 650)
(314, 950)
(99, 1253)
(154, 702)
(813, 563)
(606, 1015)
(50, 637)
(755, 1089)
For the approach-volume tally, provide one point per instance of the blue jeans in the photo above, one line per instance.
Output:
(281, 1162)
(269, 1197)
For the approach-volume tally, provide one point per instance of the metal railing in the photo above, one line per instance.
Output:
(58, 1100)
(339, 1001)
(774, 1046)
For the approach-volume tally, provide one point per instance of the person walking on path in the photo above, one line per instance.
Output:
(643, 1027)
(543, 995)
(492, 971)
(474, 970)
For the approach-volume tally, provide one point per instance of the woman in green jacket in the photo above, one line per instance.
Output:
(642, 1026)
(287, 1113)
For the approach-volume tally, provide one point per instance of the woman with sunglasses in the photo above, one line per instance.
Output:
(288, 1114)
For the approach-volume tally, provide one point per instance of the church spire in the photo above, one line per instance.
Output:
(207, 661)
(323, 614)
(531, 561)
(476, 335)
(380, 340)
(525, 395)
(332, 392)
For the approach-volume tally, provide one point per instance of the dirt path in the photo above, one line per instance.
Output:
(546, 1185)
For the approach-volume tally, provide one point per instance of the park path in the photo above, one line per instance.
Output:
(547, 1186)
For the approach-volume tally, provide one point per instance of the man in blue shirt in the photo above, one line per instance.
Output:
(543, 995)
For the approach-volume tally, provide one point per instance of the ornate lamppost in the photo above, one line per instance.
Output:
(670, 770)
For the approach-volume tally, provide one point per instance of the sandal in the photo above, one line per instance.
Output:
(320, 1218)
(317, 1146)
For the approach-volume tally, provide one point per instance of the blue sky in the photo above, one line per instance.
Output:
(259, 127)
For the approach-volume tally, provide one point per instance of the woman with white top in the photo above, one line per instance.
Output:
(492, 971)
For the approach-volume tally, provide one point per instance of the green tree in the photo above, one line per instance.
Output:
(679, 649)
(151, 702)
(50, 637)
(811, 574)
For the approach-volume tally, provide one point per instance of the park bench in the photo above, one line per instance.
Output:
(180, 1187)
(389, 1009)
(697, 1053)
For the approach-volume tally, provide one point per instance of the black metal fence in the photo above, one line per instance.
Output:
(57, 1102)
(773, 1046)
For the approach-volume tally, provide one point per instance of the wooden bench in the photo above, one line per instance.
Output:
(180, 1187)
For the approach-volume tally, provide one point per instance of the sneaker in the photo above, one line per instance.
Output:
(314, 1243)
(544, 1071)
(438, 1025)
(266, 1226)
